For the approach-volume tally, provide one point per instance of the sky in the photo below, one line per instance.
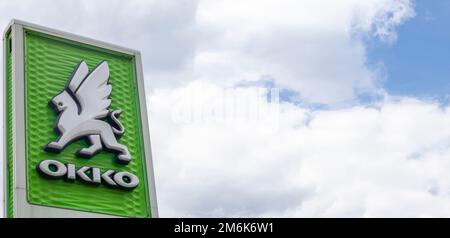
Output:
(419, 61)
(293, 108)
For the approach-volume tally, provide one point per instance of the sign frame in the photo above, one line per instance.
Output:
(21, 207)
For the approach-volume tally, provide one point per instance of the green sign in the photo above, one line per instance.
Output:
(85, 149)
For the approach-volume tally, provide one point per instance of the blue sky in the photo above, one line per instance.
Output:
(418, 63)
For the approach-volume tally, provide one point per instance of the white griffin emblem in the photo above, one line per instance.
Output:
(83, 113)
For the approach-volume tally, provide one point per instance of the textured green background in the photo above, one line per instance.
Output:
(9, 128)
(49, 62)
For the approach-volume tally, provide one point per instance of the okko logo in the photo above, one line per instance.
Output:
(83, 113)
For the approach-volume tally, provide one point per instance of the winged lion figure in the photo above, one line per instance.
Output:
(83, 112)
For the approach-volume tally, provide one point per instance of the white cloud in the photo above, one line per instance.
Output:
(381, 20)
(313, 47)
(387, 160)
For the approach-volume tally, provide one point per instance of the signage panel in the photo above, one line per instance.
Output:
(76, 130)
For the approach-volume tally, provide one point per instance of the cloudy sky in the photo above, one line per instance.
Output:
(285, 108)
